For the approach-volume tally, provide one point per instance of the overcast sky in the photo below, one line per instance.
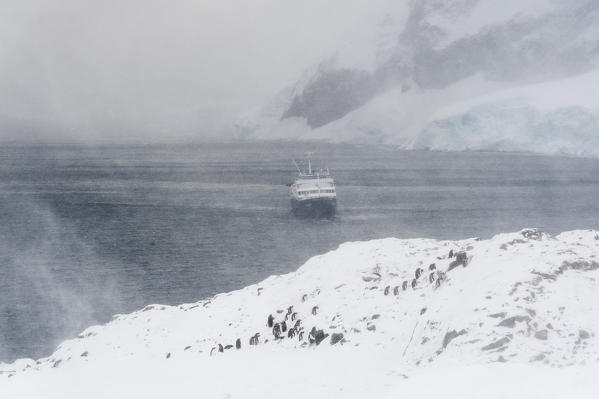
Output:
(147, 69)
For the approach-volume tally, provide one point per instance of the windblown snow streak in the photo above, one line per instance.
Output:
(364, 317)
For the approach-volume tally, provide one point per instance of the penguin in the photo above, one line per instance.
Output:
(315, 310)
(238, 344)
(418, 273)
(440, 278)
(300, 336)
(297, 324)
(396, 290)
(228, 346)
(286, 317)
(432, 267)
(387, 290)
(431, 277)
(290, 309)
(271, 321)
(212, 350)
(220, 348)
(293, 316)
(283, 327)
(276, 331)
(255, 339)
(414, 282)
(168, 355)
(450, 253)
(291, 333)
(304, 297)
(404, 285)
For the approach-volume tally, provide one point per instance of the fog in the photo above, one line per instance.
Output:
(148, 70)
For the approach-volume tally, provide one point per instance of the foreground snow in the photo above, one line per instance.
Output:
(518, 320)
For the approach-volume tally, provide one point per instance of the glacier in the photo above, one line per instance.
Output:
(455, 75)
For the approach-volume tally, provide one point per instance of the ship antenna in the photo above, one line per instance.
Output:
(297, 167)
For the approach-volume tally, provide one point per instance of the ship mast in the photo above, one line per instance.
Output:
(308, 155)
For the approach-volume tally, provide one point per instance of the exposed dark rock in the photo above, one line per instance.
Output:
(336, 338)
(376, 316)
(583, 334)
(542, 335)
(371, 327)
(316, 336)
(499, 315)
(497, 344)
(461, 259)
(332, 95)
(537, 358)
(168, 355)
(510, 322)
(450, 335)
(532, 234)
(581, 265)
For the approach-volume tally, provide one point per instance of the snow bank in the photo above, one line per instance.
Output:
(518, 308)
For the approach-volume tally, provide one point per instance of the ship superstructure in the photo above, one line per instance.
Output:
(313, 193)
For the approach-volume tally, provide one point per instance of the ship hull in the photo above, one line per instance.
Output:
(314, 207)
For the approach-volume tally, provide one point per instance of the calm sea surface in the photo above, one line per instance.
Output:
(87, 232)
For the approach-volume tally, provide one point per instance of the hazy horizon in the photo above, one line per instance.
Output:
(154, 70)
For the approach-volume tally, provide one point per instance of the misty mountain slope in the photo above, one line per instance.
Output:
(448, 52)
(525, 299)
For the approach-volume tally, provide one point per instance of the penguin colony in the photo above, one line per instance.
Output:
(280, 330)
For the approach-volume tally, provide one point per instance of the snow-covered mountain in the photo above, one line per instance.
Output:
(452, 75)
(513, 316)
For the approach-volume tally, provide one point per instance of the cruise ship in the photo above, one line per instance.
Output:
(313, 193)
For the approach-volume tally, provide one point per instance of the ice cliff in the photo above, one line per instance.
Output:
(452, 75)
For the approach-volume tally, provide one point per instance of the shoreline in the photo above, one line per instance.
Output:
(525, 299)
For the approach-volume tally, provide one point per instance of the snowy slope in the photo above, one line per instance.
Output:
(523, 304)
(433, 55)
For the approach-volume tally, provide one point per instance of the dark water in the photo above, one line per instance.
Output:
(86, 232)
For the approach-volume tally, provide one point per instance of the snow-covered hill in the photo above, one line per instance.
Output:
(500, 315)
(517, 75)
